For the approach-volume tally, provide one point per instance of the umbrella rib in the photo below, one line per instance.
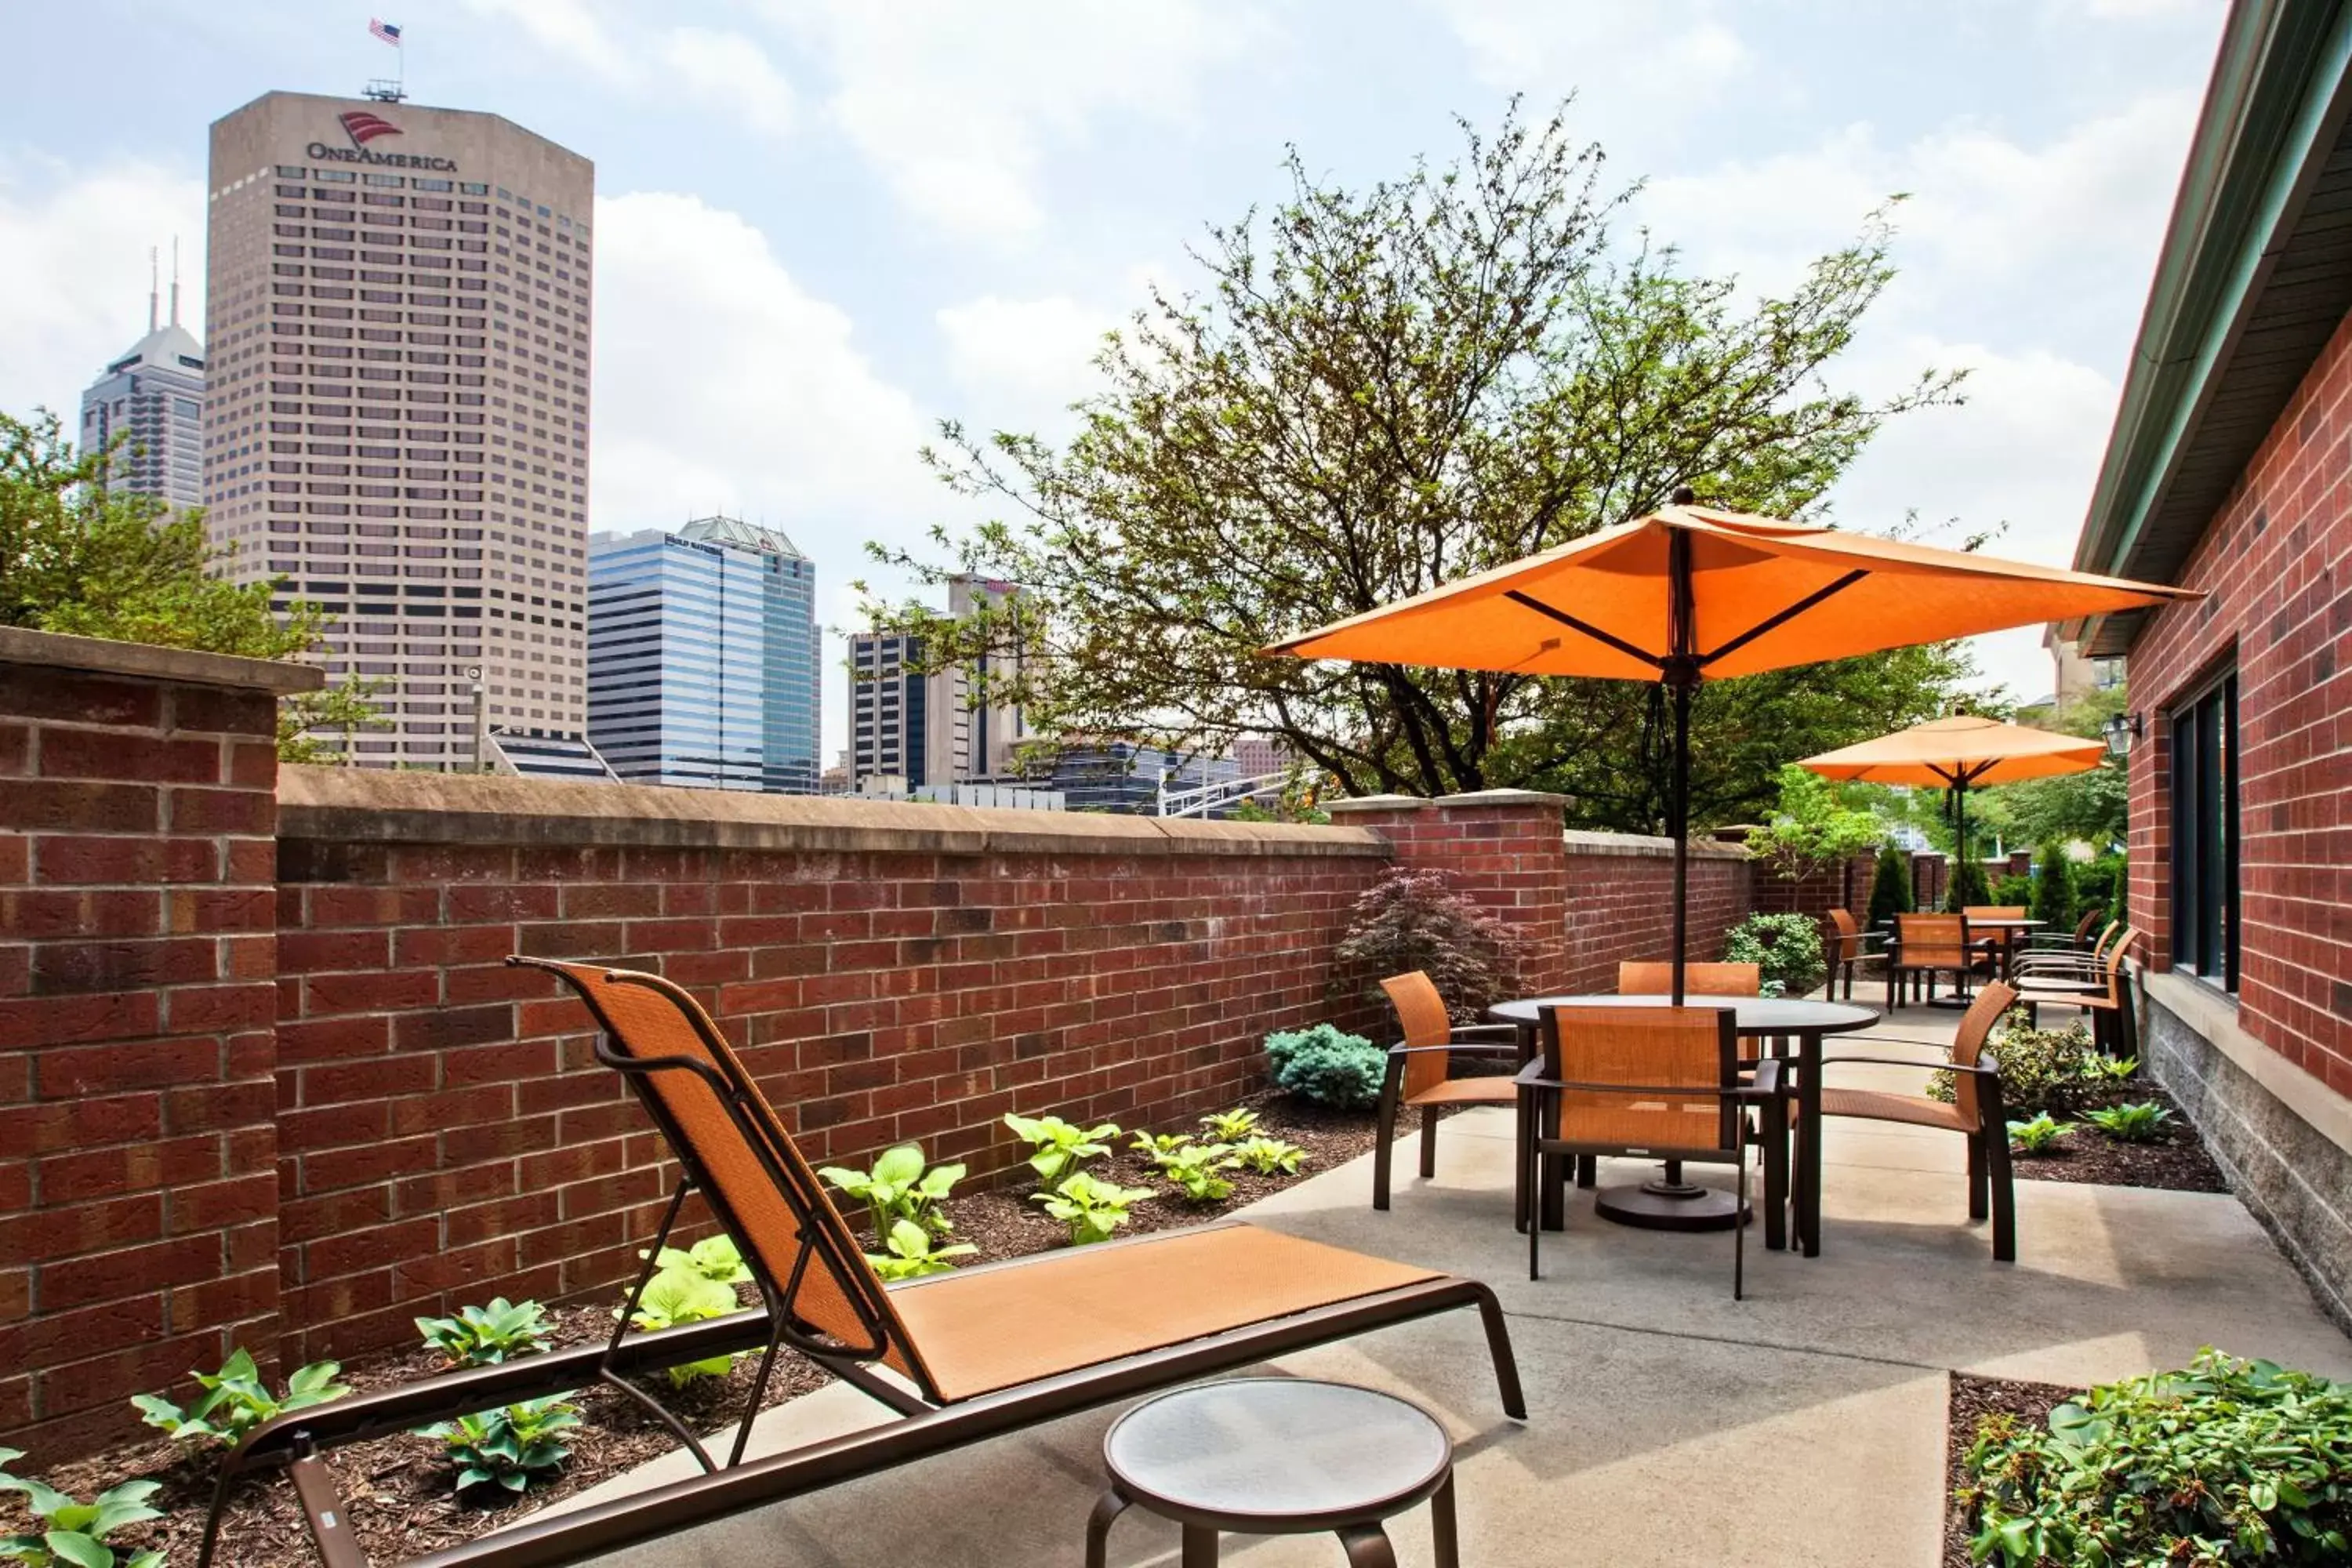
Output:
(1783, 617)
(1595, 632)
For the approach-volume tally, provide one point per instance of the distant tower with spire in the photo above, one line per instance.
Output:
(154, 395)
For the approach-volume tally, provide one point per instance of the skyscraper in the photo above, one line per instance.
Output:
(932, 728)
(153, 397)
(704, 657)
(887, 708)
(397, 419)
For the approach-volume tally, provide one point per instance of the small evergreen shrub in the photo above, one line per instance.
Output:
(2225, 1462)
(1788, 947)
(1966, 887)
(1325, 1065)
(2099, 885)
(2014, 891)
(2041, 1070)
(2053, 890)
(1890, 889)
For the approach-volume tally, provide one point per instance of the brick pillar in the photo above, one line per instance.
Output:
(1499, 846)
(137, 963)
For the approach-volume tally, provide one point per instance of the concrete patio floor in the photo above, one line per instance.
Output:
(1667, 1425)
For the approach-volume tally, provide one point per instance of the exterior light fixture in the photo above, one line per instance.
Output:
(2122, 730)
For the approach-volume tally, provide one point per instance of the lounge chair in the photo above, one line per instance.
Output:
(1420, 1070)
(960, 1356)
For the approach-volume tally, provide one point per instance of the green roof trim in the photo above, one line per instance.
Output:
(2272, 114)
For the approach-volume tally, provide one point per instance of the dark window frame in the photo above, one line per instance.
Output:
(2207, 829)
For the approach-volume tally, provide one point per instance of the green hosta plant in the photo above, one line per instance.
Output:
(2224, 1463)
(1152, 1145)
(485, 1336)
(674, 1298)
(2038, 1136)
(1059, 1148)
(2111, 1070)
(1091, 1208)
(236, 1400)
(1194, 1169)
(73, 1534)
(910, 1254)
(2141, 1124)
(1230, 1126)
(1269, 1156)
(714, 1257)
(900, 1187)
(508, 1448)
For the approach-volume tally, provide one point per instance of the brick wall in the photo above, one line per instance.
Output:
(1502, 847)
(138, 1186)
(1620, 898)
(2273, 563)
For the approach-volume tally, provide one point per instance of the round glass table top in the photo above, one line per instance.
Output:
(1756, 1014)
(1277, 1447)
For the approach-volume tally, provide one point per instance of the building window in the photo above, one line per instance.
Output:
(2204, 731)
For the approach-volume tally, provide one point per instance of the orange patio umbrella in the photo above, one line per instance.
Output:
(1960, 754)
(1693, 594)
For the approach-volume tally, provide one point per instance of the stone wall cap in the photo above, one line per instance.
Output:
(1376, 803)
(365, 806)
(1585, 841)
(186, 666)
(1508, 797)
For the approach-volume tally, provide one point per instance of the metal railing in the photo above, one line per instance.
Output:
(1201, 799)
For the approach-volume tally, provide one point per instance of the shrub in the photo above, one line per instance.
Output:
(1059, 1148)
(908, 1253)
(1788, 946)
(73, 1534)
(1230, 1126)
(900, 1187)
(1270, 1156)
(2041, 1069)
(2142, 1123)
(1325, 1065)
(1092, 1209)
(2225, 1462)
(1890, 889)
(674, 1298)
(2014, 891)
(1411, 919)
(713, 1258)
(2053, 890)
(236, 1400)
(485, 1336)
(2041, 1133)
(2099, 885)
(1194, 1169)
(508, 1448)
(1966, 886)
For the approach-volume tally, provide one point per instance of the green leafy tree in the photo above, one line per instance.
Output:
(1811, 829)
(78, 558)
(2095, 807)
(2053, 888)
(1890, 887)
(1379, 390)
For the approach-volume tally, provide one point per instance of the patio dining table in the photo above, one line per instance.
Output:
(1758, 1017)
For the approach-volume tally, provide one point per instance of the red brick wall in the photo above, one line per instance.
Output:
(2273, 561)
(1620, 903)
(138, 1187)
(891, 973)
(1501, 847)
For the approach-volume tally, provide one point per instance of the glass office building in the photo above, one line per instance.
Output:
(704, 657)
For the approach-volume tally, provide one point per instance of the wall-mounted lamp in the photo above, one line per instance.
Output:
(2122, 730)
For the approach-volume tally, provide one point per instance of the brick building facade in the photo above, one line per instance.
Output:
(2230, 472)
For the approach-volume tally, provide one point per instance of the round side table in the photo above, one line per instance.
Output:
(1278, 1456)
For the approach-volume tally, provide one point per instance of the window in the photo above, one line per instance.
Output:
(2204, 731)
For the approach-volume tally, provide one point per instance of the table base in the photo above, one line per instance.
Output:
(1646, 1209)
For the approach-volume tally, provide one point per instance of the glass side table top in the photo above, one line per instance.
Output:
(1277, 1447)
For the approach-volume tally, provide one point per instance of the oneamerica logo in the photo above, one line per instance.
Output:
(364, 127)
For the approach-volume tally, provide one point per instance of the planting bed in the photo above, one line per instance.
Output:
(2178, 1161)
(1973, 1399)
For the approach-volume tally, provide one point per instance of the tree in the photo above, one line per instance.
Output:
(1813, 828)
(1890, 887)
(78, 558)
(2053, 888)
(1966, 886)
(1382, 390)
(2093, 807)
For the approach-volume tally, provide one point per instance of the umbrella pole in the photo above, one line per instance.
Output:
(1679, 826)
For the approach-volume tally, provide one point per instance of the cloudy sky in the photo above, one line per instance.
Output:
(825, 224)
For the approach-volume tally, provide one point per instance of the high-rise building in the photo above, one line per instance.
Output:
(397, 419)
(934, 728)
(704, 657)
(154, 397)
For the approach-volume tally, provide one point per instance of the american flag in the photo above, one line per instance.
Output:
(387, 31)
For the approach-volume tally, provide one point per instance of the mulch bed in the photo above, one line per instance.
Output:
(2177, 1161)
(1973, 1399)
(398, 1490)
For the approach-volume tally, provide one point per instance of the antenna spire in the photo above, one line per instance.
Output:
(175, 280)
(151, 289)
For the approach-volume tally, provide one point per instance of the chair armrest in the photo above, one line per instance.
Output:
(1466, 1032)
(1496, 1049)
(1981, 1069)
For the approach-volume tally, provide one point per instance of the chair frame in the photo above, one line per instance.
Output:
(1846, 959)
(928, 1425)
(2104, 993)
(1541, 1093)
(1898, 971)
(1492, 1040)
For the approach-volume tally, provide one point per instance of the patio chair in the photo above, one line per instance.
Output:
(2079, 940)
(1660, 1083)
(2001, 942)
(1848, 946)
(1655, 977)
(959, 1357)
(1976, 1111)
(2086, 970)
(1420, 1068)
(2104, 994)
(1926, 946)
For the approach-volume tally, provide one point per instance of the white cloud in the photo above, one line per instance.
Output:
(73, 269)
(1025, 362)
(571, 28)
(1682, 51)
(958, 105)
(730, 70)
(714, 69)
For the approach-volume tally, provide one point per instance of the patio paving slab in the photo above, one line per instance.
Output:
(1658, 1406)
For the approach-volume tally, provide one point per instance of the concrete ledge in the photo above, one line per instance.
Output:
(2215, 1018)
(188, 668)
(1645, 846)
(362, 806)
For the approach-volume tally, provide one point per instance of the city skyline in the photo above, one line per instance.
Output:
(152, 398)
